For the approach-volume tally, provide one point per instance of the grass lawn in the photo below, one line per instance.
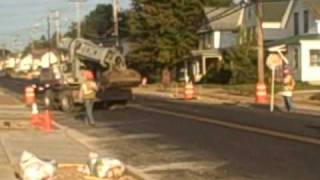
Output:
(239, 89)
(249, 89)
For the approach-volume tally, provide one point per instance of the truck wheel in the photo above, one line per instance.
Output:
(66, 103)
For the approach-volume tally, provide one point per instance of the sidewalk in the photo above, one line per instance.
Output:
(58, 145)
(13, 142)
(220, 96)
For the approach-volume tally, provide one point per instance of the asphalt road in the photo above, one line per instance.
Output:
(176, 140)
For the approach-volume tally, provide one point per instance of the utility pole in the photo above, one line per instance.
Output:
(78, 7)
(116, 8)
(49, 27)
(261, 92)
(57, 26)
(49, 36)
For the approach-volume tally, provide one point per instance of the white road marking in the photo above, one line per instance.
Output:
(126, 137)
(191, 166)
(272, 133)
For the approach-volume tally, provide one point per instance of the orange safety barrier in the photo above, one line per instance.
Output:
(261, 93)
(189, 91)
(144, 81)
(29, 95)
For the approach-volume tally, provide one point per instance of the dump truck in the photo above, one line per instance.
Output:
(61, 84)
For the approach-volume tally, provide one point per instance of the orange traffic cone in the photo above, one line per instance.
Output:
(47, 124)
(35, 118)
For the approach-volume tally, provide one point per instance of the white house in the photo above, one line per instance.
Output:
(48, 59)
(297, 26)
(221, 30)
(25, 64)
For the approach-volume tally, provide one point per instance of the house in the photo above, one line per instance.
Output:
(44, 58)
(295, 24)
(25, 64)
(223, 28)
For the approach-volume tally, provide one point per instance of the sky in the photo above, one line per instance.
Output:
(18, 17)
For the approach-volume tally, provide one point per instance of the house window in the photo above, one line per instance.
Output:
(314, 57)
(306, 21)
(296, 58)
(296, 23)
(208, 40)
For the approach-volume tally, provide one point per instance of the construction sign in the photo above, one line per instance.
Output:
(273, 61)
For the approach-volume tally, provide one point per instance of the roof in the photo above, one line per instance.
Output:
(314, 7)
(230, 22)
(293, 40)
(274, 11)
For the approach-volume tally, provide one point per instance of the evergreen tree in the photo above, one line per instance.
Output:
(99, 23)
(165, 31)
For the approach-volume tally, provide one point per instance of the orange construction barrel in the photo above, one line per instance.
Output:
(261, 93)
(29, 95)
(188, 91)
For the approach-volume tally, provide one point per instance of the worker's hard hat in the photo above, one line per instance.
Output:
(88, 75)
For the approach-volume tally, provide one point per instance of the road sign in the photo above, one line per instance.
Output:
(274, 60)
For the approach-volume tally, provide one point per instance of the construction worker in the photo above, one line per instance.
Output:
(288, 87)
(88, 95)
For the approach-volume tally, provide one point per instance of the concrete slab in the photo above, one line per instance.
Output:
(6, 172)
(44, 145)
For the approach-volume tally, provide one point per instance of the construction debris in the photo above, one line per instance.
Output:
(103, 167)
(35, 169)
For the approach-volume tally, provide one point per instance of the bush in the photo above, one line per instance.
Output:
(241, 61)
(215, 76)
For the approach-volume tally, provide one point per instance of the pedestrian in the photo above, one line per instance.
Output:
(288, 87)
(87, 94)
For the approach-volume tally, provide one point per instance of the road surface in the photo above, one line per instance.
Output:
(170, 139)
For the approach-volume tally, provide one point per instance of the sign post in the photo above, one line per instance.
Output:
(273, 61)
(272, 89)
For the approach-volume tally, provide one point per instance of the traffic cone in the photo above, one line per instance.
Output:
(47, 124)
(35, 117)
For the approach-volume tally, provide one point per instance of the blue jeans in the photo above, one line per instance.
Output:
(88, 103)
(288, 102)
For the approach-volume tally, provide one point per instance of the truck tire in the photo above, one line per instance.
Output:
(66, 103)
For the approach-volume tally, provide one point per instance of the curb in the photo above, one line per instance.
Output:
(300, 111)
(132, 170)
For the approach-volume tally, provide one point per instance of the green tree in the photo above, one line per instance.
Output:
(164, 31)
(98, 24)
